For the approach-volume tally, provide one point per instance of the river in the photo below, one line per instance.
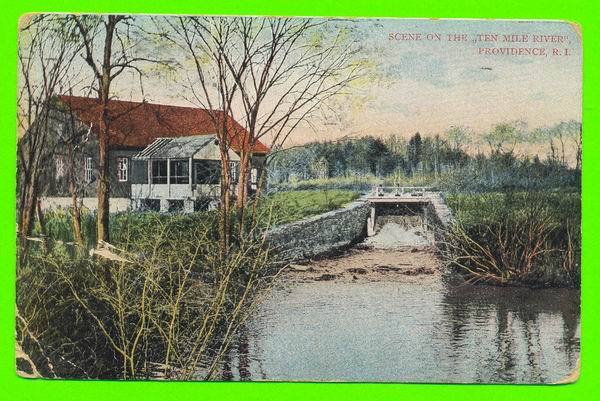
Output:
(390, 315)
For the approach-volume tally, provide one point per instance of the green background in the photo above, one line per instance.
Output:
(584, 13)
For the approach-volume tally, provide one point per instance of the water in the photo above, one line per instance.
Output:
(421, 329)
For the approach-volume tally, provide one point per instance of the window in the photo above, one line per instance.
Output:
(60, 167)
(233, 171)
(122, 169)
(89, 169)
(180, 172)
(207, 171)
(159, 171)
(152, 205)
(254, 178)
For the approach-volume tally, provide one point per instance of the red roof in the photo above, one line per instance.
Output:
(138, 124)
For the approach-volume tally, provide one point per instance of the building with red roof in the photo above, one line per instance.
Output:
(161, 156)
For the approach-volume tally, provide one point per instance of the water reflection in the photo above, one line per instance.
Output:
(522, 335)
(425, 330)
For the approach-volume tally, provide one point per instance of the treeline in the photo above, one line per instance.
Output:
(366, 155)
(449, 162)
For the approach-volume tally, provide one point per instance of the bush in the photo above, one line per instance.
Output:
(168, 307)
(530, 238)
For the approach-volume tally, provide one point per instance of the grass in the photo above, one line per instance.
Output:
(172, 308)
(290, 206)
(531, 238)
(473, 177)
(360, 183)
(348, 183)
(277, 208)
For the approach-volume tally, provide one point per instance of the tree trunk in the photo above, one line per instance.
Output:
(225, 199)
(28, 210)
(102, 188)
(27, 219)
(242, 190)
(242, 187)
(562, 150)
(262, 180)
(42, 223)
(75, 211)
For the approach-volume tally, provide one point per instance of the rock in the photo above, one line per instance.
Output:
(325, 277)
(388, 268)
(357, 270)
(299, 268)
(417, 271)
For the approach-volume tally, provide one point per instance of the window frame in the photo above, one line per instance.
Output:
(207, 172)
(234, 171)
(184, 177)
(89, 169)
(153, 177)
(122, 169)
(253, 178)
(59, 167)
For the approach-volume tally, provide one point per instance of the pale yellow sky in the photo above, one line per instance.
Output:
(433, 86)
(430, 85)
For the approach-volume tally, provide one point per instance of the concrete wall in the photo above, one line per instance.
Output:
(321, 234)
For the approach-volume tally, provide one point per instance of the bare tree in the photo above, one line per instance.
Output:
(294, 67)
(503, 135)
(458, 136)
(270, 74)
(74, 138)
(213, 88)
(46, 55)
(566, 133)
(569, 131)
(115, 35)
(577, 138)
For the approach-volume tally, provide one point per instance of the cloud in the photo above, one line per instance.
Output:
(421, 67)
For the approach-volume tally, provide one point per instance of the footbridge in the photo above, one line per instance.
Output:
(407, 198)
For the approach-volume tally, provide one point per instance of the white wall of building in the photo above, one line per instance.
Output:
(116, 204)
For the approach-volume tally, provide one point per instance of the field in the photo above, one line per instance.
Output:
(275, 209)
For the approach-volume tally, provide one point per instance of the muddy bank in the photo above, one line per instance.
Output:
(363, 263)
(401, 249)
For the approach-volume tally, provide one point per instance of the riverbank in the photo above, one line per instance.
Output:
(517, 238)
(366, 264)
(386, 315)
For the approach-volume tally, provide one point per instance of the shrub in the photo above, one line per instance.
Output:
(168, 306)
(515, 237)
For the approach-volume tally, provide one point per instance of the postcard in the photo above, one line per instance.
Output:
(298, 199)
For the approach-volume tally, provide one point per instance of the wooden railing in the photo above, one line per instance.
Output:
(379, 190)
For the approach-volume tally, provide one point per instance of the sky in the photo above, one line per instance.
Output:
(429, 85)
(439, 79)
